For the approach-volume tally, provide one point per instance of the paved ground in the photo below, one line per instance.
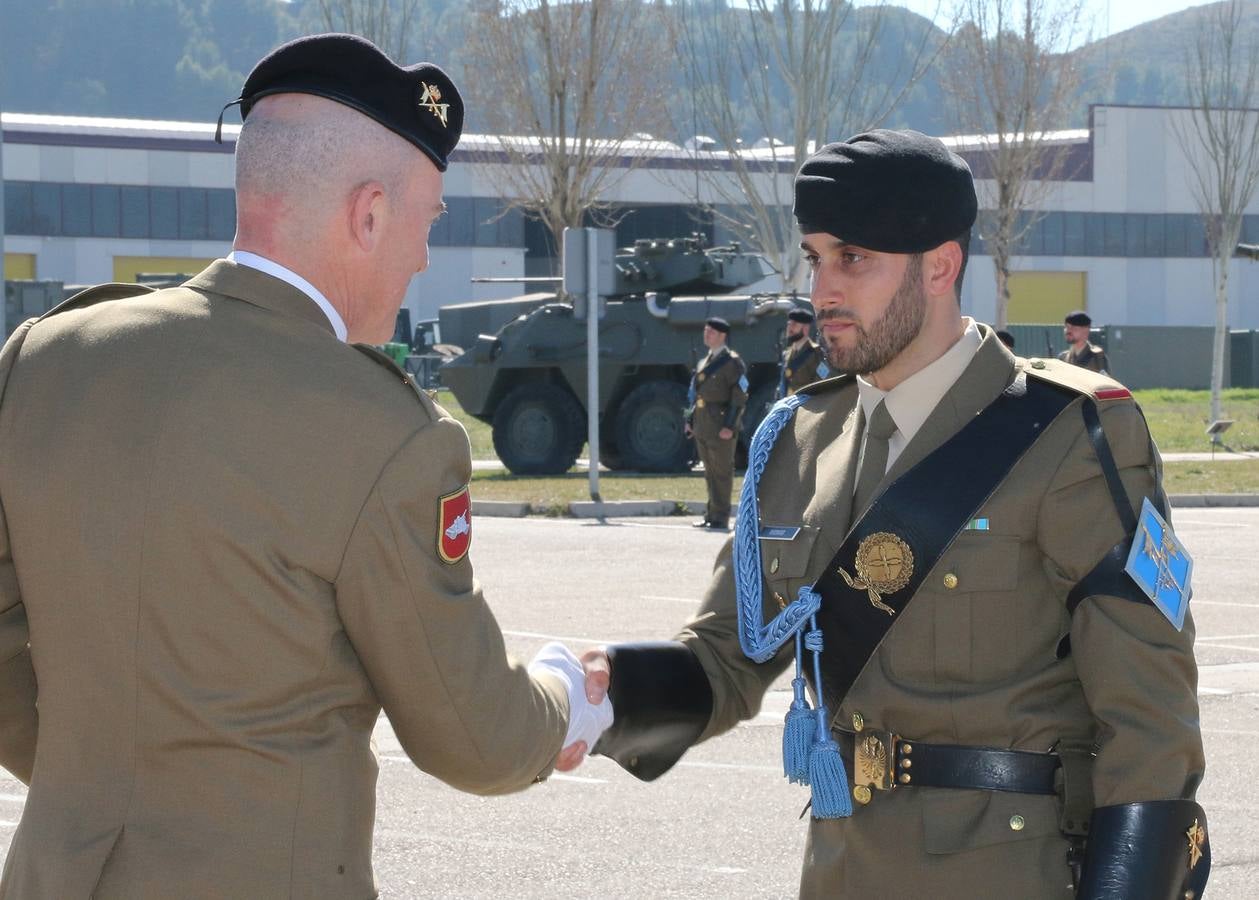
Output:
(724, 823)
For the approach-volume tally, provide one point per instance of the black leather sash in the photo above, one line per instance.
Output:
(927, 508)
(801, 356)
(713, 366)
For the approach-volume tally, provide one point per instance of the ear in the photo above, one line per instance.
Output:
(940, 268)
(368, 211)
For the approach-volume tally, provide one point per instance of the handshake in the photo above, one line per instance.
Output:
(590, 711)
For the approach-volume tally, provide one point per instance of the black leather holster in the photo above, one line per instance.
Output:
(662, 702)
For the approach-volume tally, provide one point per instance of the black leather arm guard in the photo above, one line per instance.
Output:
(662, 702)
(733, 415)
(1156, 850)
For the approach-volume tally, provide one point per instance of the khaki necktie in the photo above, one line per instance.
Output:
(874, 460)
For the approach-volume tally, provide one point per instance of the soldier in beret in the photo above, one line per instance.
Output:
(1082, 352)
(803, 361)
(986, 702)
(715, 403)
(269, 531)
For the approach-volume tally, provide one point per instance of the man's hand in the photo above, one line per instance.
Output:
(726, 434)
(598, 677)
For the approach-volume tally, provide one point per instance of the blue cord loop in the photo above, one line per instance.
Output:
(810, 755)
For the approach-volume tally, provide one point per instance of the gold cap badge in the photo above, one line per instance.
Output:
(430, 99)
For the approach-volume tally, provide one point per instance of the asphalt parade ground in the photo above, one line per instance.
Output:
(724, 823)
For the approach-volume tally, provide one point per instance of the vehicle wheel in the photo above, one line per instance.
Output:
(538, 429)
(649, 429)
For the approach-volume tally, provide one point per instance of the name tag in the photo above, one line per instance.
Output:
(778, 532)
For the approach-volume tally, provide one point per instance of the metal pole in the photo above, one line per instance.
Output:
(592, 360)
(4, 330)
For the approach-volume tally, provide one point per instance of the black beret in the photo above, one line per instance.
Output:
(419, 102)
(891, 191)
(800, 315)
(718, 324)
(1079, 317)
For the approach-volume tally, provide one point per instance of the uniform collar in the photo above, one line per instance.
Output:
(287, 275)
(912, 401)
(259, 289)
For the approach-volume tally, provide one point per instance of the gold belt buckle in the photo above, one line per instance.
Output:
(874, 758)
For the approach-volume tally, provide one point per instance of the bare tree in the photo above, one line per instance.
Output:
(386, 23)
(1220, 139)
(564, 88)
(1013, 83)
(798, 73)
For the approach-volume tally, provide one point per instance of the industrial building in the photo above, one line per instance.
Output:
(89, 200)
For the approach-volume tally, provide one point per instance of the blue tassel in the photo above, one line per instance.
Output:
(830, 782)
(797, 734)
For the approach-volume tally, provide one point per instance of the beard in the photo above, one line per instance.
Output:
(888, 335)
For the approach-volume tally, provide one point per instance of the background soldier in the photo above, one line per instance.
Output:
(717, 396)
(239, 536)
(1081, 352)
(803, 361)
(997, 688)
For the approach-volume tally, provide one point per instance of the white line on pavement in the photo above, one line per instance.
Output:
(690, 600)
(1235, 647)
(1230, 637)
(690, 764)
(13, 798)
(580, 779)
(1254, 606)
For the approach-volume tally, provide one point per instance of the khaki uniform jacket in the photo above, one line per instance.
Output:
(220, 534)
(975, 665)
(719, 388)
(799, 366)
(1092, 357)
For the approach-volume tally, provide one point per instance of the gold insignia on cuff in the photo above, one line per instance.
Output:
(884, 565)
(430, 100)
(1197, 840)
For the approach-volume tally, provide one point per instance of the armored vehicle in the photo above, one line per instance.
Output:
(527, 379)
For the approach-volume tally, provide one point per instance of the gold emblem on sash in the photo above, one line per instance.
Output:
(884, 565)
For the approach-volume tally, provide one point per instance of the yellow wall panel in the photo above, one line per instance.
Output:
(1045, 296)
(19, 265)
(126, 268)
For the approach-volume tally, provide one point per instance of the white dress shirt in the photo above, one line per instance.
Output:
(262, 264)
(912, 401)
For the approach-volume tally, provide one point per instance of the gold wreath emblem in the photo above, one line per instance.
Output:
(884, 565)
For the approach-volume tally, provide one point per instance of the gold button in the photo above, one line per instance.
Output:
(861, 794)
(906, 763)
(858, 722)
(950, 581)
(773, 565)
(1017, 823)
(904, 779)
(907, 748)
(699, 404)
(780, 600)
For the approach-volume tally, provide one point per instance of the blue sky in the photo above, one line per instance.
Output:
(1109, 16)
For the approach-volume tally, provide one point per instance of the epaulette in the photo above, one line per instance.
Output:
(1077, 379)
(113, 290)
(385, 361)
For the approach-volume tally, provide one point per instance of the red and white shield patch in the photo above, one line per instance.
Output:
(455, 534)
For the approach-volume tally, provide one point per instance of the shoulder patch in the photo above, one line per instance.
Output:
(99, 294)
(386, 362)
(454, 535)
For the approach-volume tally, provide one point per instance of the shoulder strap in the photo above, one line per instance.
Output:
(716, 364)
(912, 523)
(385, 361)
(113, 290)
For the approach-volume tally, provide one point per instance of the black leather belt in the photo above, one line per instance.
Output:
(883, 761)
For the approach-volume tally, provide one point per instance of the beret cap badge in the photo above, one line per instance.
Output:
(430, 97)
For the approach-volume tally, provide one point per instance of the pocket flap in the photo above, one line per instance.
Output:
(787, 559)
(954, 821)
(983, 561)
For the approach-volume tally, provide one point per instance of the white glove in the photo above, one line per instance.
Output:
(586, 722)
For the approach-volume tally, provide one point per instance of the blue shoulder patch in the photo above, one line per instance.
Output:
(823, 370)
(743, 383)
(1160, 565)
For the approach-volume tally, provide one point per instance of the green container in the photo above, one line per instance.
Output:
(397, 352)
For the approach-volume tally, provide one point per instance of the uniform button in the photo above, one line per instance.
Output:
(780, 600)
(950, 581)
(1017, 823)
(906, 763)
(633, 762)
(773, 565)
(905, 778)
(858, 722)
(861, 794)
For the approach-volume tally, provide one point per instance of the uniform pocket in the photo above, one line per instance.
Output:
(785, 564)
(981, 561)
(955, 821)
